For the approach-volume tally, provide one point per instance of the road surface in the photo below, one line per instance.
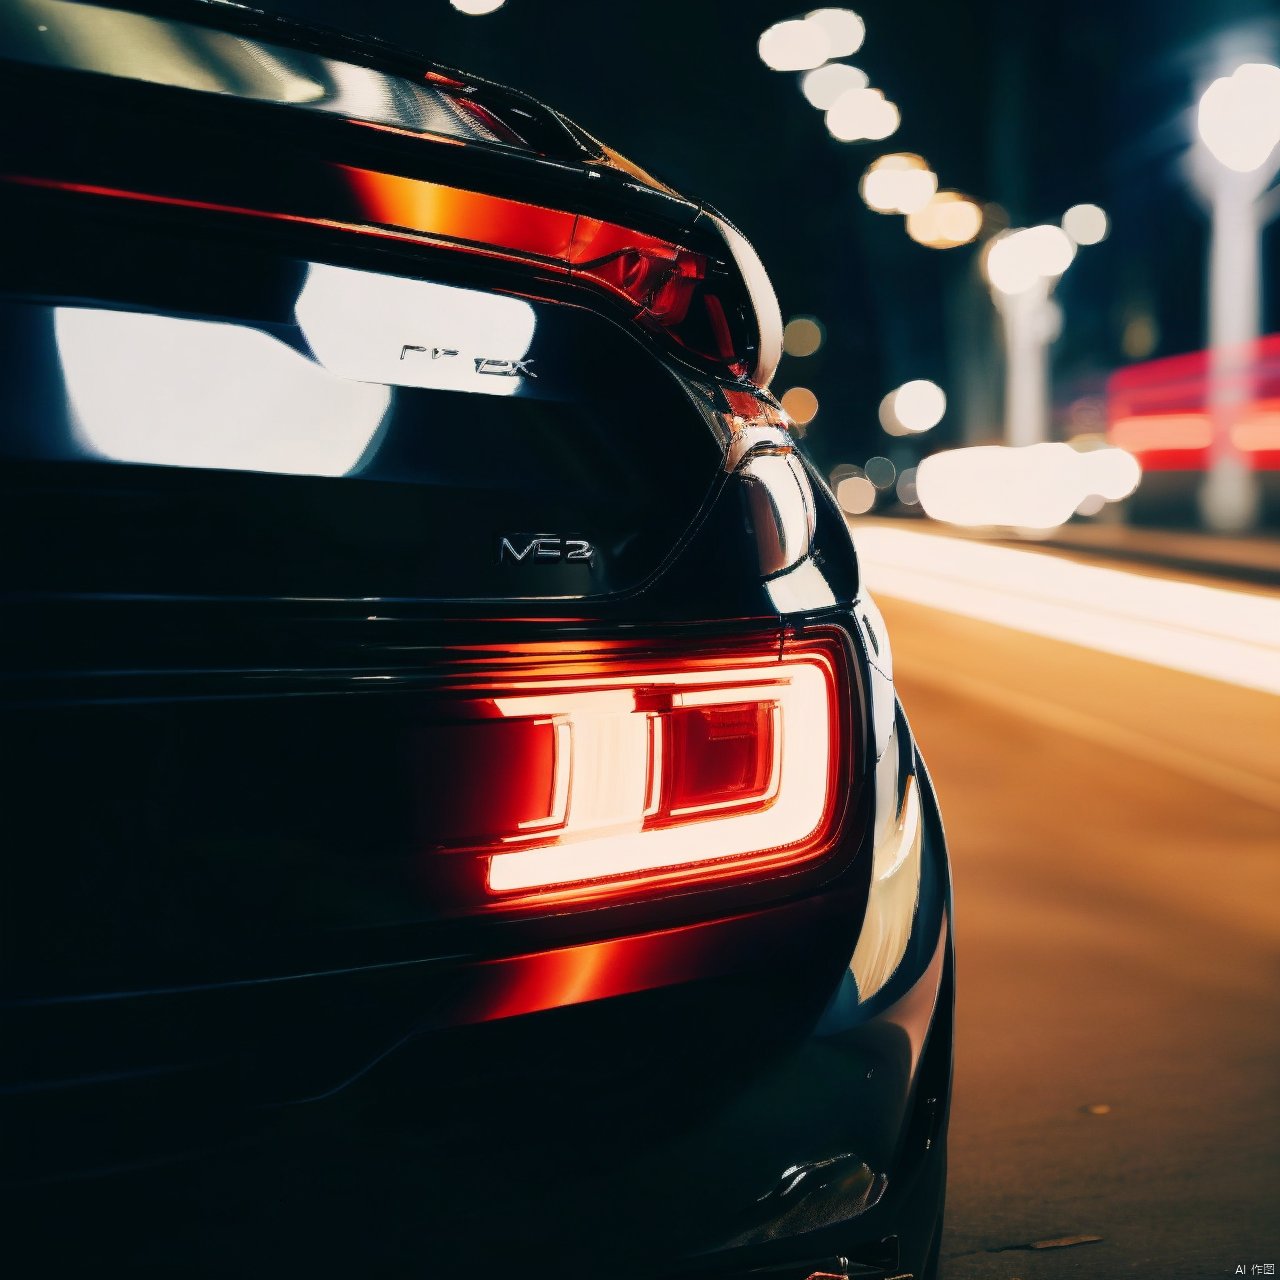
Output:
(1115, 831)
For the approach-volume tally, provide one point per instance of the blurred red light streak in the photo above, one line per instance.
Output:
(1166, 411)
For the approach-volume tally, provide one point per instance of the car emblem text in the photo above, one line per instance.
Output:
(483, 364)
(543, 548)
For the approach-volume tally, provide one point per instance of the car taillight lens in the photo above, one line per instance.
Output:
(689, 297)
(564, 787)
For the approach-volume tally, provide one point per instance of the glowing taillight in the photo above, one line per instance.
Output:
(560, 787)
(721, 757)
(687, 296)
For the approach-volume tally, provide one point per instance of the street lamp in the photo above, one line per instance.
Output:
(1022, 267)
(1238, 127)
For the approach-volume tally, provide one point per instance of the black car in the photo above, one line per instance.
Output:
(458, 817)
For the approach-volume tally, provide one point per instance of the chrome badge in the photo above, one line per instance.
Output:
(482, 364)
(543, 548)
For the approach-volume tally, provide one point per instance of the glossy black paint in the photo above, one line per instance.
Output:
(237, 1046)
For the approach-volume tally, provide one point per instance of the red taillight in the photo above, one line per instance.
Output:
(670, 284)
(557, 787)
(722, 757)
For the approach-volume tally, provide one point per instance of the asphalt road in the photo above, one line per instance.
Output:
(1115, 830)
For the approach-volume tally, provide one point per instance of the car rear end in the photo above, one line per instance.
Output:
(459, 817)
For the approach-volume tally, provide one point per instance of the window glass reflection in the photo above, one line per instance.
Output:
(179, 392)
(414, 333)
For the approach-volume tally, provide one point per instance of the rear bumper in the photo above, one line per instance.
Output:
(605, 1112)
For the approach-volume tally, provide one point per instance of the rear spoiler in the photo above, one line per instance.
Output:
(245, 116)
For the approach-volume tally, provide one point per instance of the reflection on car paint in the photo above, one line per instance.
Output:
(178, 392)
(415, 333)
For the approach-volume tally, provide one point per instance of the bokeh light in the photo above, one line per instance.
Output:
(803, 336)
(1085, 223)
(1140, 336)
(1018, 260)
(898, 183)
(889, 419)
(794, 45)
(861, 114)
(800, 404)
(881, 472)
(1035, 487)
(919, 404)
(856, 495)
(946, 221)
(914, 407)
(822, 86)
(844, 30)
(1239, 116)
(477, 7)
(1109, 473)
(906, 487)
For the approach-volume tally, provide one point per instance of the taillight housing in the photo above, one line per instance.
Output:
(719, 306)
(625, 775)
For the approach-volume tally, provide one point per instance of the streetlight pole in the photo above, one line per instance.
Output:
(1027, 319)
(1022, 268)
(1229, 499)
(1238, 127)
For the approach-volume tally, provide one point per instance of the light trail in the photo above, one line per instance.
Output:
(1225, 635)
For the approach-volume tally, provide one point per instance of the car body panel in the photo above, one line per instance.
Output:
(248, 1040)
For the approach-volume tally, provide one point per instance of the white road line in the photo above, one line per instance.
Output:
(1225, 635)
